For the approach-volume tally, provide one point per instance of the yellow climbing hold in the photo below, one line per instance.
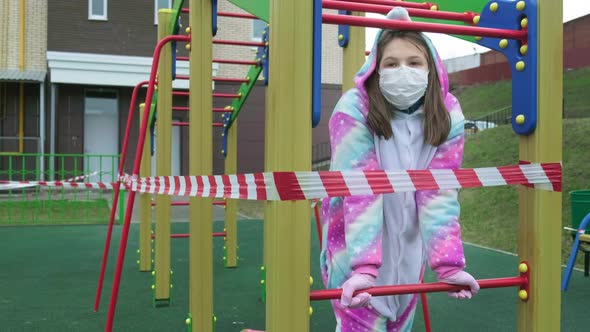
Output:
(494, 7)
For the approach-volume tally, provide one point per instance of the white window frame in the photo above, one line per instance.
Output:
(156, 10)
(98, 17)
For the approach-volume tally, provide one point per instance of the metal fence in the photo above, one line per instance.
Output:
(34, 204)
(491, 120)
(320, 156)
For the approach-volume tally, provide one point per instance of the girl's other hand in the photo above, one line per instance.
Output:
(354, 283)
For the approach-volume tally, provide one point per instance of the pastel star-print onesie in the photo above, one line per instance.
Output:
(389, 236)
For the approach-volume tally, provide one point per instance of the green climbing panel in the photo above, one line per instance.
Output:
(244, 91)
(458, 6)
(258, 8)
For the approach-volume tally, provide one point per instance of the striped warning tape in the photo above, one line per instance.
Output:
(6, 185)
(314, 185)
(275, 186)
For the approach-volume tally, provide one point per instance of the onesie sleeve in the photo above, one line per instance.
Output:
(438, 211)
(353, 148)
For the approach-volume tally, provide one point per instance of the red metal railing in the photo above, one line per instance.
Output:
(330, 294)
(136, 165)
(117, 189)
(421, 26)
(225, 61)
(185, 235)
(384, 9)
(187, 203)
(225, 14)
(423, 5)
(238, 43)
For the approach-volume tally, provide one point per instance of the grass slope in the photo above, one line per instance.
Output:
(483, 99)
(489, 216)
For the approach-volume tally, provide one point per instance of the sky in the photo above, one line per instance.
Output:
(451, 47)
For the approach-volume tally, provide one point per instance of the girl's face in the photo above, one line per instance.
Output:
(400, 52)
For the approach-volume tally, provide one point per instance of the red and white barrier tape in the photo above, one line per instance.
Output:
(275, 186)
(312, 185)
(81, 177)
(7, 185)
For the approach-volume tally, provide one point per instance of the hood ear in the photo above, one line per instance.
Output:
(399, 13)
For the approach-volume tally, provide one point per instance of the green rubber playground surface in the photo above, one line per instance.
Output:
(48, 278)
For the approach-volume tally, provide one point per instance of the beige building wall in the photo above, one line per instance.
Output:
(35, 34)
(230, 28)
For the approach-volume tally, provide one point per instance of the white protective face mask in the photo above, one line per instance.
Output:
(403, 86)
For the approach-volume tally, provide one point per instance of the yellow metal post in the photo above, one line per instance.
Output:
(145, 208)
(201, 162)
(231, 207)
(539, 240)
(163, 158)
(289, 101)
(353, 55)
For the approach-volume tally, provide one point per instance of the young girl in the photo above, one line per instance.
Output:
(400, 116)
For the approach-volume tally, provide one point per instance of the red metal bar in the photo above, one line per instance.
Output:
(180, 108)
(226, 14)
(425, 312)
(235, 62)
(316, 209)
(221, 110)
(136, 165)
(330, 294)
(107, 243)
(384, 9)
(218, 79)
(231, 80)
(226, 61)
(215, 95)
(421, 26)
(186, 203)
(226, 95)
(186, 124)
(423, 5)
(185, 235)
(175, 236)
(238, 43)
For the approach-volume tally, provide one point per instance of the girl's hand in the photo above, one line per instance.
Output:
(462, 278)
(354, 283)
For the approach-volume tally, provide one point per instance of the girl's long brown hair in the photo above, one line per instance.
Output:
(437, 122)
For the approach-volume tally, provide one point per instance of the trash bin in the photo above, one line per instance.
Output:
(580, 204)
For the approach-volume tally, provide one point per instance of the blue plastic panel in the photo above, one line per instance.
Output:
(316, 82)
(343, 30)
(524, 82)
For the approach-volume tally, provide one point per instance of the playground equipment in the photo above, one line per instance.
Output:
(169, 23)
(511, 27)
(579, 237)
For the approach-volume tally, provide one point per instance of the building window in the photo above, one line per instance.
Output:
(159, 4)
(257, 27)
(97, 10)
